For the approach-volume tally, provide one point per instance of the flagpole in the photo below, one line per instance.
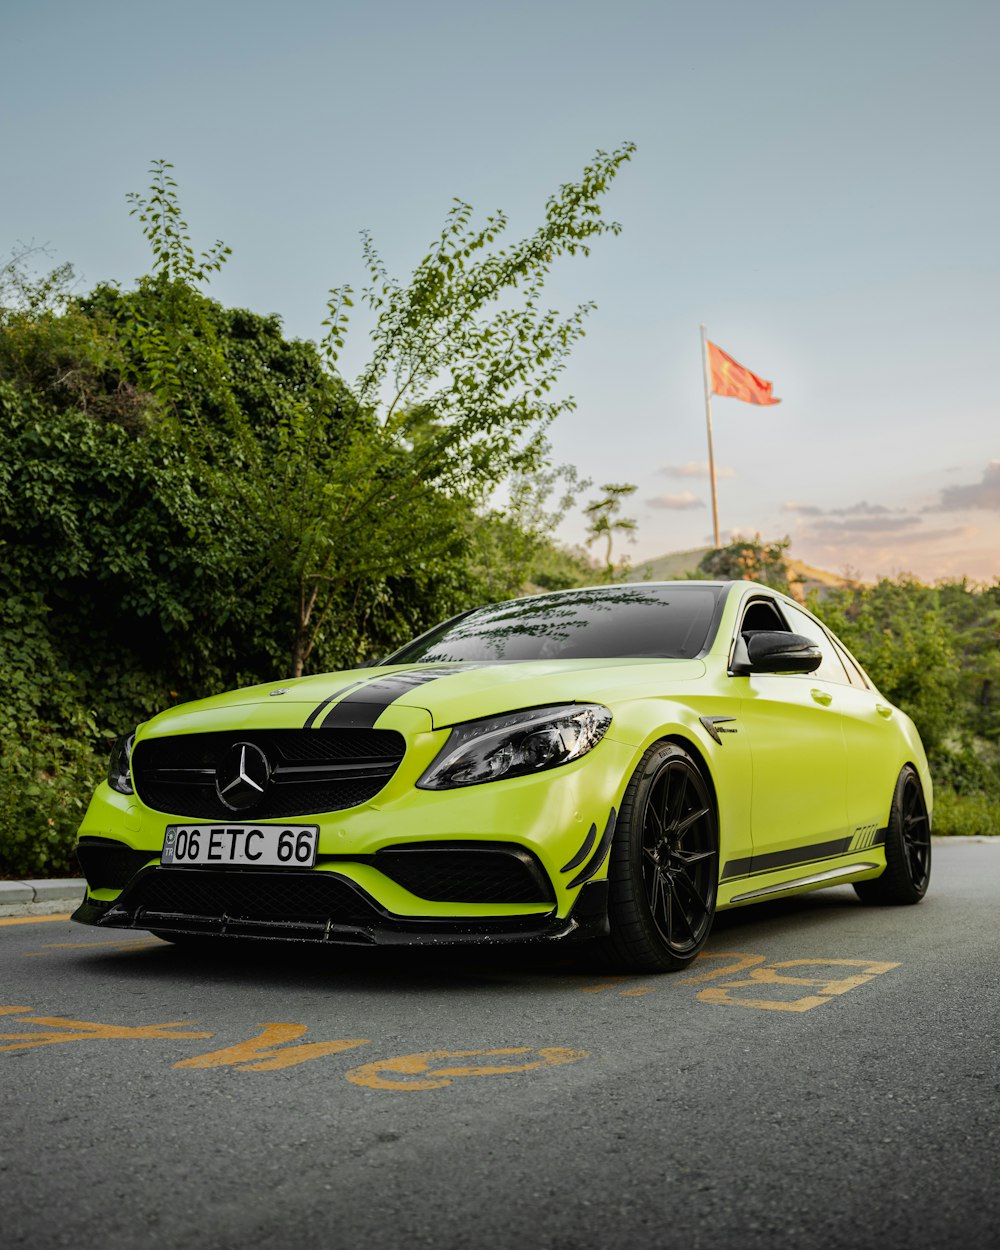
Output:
(708, 422)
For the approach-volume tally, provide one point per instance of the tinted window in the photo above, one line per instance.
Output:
(761, 614)
(658, 621)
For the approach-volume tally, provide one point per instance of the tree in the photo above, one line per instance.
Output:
(454, 399)
(605, 522)
(751, 560)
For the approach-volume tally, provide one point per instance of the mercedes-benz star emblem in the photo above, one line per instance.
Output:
(241, 779)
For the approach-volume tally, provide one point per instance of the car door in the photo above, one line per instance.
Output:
(871, 739)
(798, 752)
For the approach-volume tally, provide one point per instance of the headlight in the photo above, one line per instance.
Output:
(118, 765)
(516, 744)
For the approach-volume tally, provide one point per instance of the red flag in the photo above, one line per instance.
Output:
(732, 379)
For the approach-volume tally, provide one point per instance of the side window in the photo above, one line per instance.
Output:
(761, 614)
(832, 668)
(758, 615)
(853, 670)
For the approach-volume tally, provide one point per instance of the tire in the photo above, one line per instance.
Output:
(664, 869)
(907, 848)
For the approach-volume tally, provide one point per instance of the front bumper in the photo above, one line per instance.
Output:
(318, 907)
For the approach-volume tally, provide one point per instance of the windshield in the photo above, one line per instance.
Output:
(666, 622)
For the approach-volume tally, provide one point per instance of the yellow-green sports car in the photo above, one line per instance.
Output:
(611, 764)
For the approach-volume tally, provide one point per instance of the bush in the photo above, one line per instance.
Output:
(972, 815)
(46, 780)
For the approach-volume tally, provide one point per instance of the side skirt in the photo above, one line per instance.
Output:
(814, 881)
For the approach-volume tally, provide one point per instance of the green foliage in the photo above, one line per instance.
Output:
(48, 761)
(160, 215)
(966, 815)
(46, 779)
(750, 560)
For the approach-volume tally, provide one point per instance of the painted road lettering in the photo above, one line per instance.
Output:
(825, 988)
(386, 1073)
(270, 1050)
(62, 1031)
(731, 993)
(277, 1046)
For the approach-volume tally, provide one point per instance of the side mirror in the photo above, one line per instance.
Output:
(774, 652)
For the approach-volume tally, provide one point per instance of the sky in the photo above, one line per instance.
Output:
(815, 182)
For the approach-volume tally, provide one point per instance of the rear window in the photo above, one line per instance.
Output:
(663, 622)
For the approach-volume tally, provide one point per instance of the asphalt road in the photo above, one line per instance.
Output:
(826, 1075)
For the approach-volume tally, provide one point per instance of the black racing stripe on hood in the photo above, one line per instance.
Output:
(311, 718)
(362, 707)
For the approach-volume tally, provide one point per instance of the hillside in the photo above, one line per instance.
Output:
(679, 564)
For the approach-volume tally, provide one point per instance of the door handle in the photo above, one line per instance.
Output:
(821, 696)
(883, 710)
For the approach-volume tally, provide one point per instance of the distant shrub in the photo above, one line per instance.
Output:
(45, 784)
(971, 815)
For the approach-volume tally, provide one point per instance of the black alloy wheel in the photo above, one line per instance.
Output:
(664, 868)
(907, 848)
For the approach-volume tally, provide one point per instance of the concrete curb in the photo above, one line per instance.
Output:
(40, 898)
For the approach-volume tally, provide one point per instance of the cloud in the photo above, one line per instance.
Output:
(678, 503)
(694, 468)
(984, 494)
(862, 509)
(866, 525)
(858, 550)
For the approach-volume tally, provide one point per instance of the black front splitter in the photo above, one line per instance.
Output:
(587, 920)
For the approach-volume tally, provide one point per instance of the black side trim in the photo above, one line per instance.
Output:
(600, 855)
(711, 724)
(583, 852)
(756, 865)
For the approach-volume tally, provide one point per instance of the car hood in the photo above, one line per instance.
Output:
(447, 693)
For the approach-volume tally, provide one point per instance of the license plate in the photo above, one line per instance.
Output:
(271, 846)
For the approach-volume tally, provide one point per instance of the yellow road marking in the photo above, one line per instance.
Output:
(88, 1030)
(33, 919)
(827, 988)
(134, 944)
(742, 962)
(606, 983)
(371, 1074)
(260, 1054)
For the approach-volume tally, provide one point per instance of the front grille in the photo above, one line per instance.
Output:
(311, 771)
(110, 865)
(467, 872)
(292, 896)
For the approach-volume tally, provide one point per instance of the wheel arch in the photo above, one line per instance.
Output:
(694, 750)
(923, 773)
